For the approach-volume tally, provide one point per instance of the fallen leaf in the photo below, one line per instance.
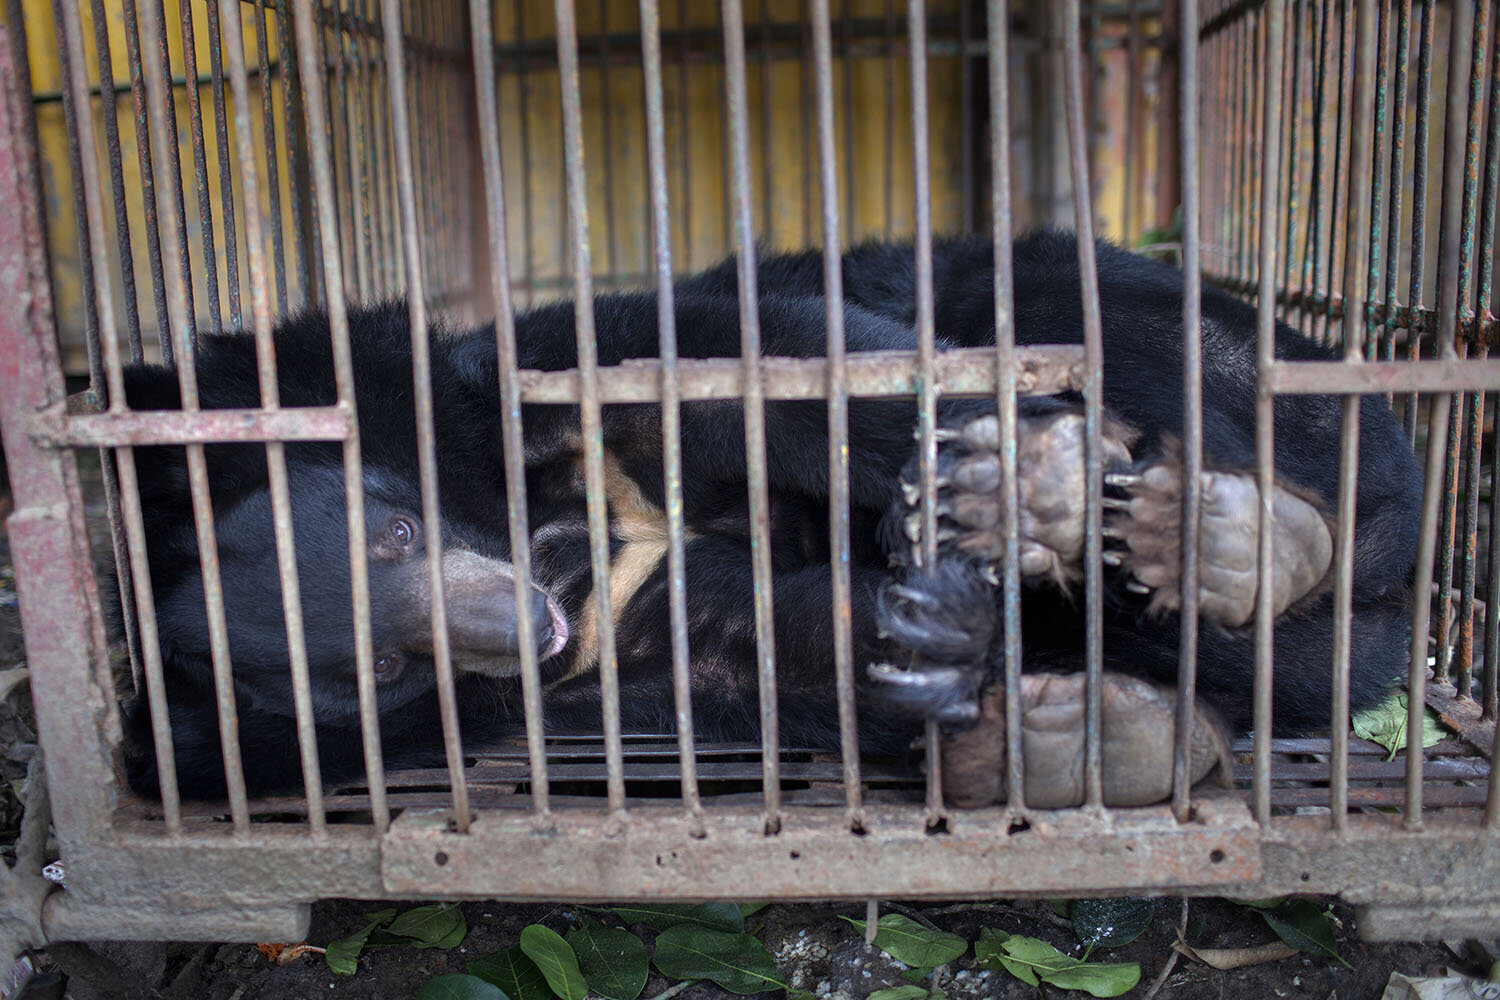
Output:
(1225, 959)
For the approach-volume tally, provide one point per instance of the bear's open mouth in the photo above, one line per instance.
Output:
(559, 629)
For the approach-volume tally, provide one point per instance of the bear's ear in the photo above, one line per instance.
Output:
(152, 387)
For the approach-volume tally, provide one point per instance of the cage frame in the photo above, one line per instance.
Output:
(242, 881)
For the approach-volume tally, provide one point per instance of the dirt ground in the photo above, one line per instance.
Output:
(813, 948)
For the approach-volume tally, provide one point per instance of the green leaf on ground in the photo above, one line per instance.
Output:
(1034, 961)
(907, 941)
(343, 955)
(1386, 724)
(456, 986)
(514, 973)
(900, 993)
(1111, 923)
(1305, 926)
(613, 961)
(660, 916)
(737, 962)
(555, 958)
(438, 925)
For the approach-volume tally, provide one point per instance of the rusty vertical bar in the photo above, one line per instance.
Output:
(1169, 114)
(275, 453)
(1450, 236)
(1192, 423)
(331, 43)
(359, 188)
(927, 387)
(179, 304)
(78, 115)
(326, 253)
(1093, 349)
(671, 406)
(998, 16)
(606, 124)
(1475, 404)
(1089, 29)
(50, 551)
(1375, 281)
(1316, 190)
(1237, 181)
(725, 152)
(755, 425)
(805, 103)
(364, 85)
(1486, 306)
(416, 301)
(158, 84)
(1397, 183)
(433, 159)
(588, 382)
(1250, 225)
(268, 129)
(226, 170)
(104, 362)
(110, 116)
(169, 169)
(965, 117)
(1414, 295)
(838, 415)
(1294, 149)
(336, 65)
(1462, 403)
(385, 241)
(1265, 416)
(1356, 223)
(442, 275)
(135, 60)
(765, 119)
(1337, 248)
(846, 46)
(523, 123)
(480, 24)
(1132, 119)
(684, 145)
(197, 139)
(888, 133)
(260, 298)
(392, 250)
(305, 243)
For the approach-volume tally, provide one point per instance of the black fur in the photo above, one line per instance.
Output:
(1141, 303)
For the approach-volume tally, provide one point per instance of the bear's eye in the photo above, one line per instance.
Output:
(389, 666)
(403, 532)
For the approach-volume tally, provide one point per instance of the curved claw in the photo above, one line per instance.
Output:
(1122, 480)
(1136, 587)
(921, 598)
(889, 673)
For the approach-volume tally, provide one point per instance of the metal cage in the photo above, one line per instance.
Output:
(474, 157)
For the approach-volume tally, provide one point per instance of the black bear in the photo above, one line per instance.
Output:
(943, 619)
